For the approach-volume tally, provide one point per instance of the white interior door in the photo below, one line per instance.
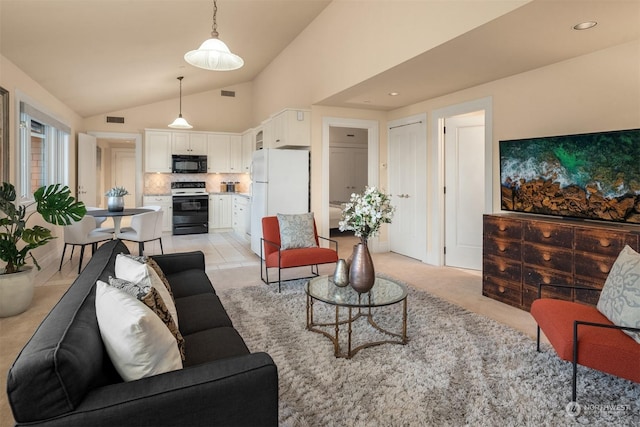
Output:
(87, 180)
(123, 162)
(464, 195)
(407, 185)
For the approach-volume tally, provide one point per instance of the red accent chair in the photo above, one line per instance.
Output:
(580, 334)
(273, 256)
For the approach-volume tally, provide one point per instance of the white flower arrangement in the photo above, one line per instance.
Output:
(117, 192)
(366, 212)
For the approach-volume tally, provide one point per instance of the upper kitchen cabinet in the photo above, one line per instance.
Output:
(224, 153)
(291, 128)
(248, 147)
(157, 151)
(189, 143)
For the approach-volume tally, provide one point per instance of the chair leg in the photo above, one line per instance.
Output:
(575, 362)
(73, 248)
(538, 339)
(161, 250)
(81, 256)
(140, 248)
(64, 249)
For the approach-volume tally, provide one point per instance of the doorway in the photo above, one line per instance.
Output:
(119, 154)
(366, 129)
(445, 224)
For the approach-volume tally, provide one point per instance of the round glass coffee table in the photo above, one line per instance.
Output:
(385, 292)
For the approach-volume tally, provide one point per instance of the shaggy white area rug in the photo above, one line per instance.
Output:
(459, 368)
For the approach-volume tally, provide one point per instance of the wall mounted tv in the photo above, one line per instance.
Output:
(592, 176)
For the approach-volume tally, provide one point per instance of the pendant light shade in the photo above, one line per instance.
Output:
(180, 122)
(214, 54)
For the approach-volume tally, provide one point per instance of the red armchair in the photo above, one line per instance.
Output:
(273, 256)
(580, 334)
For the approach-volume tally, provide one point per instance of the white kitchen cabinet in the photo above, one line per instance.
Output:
(157, 151)
(166, 203)
(291, 128)
(224, 153)
(235, 154)
(218, 152)
(220, 211)
(190, 143)
(248, 147)
(348, 172)
(240, 216)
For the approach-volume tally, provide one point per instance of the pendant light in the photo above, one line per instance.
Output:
(213, 54)
(179, 122)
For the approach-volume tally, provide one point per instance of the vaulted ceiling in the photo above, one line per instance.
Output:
(99, 56)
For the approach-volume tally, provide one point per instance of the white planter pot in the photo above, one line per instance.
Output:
(16, 291)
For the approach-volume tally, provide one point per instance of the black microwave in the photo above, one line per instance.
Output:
(188, 164)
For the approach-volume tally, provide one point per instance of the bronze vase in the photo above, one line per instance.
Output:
(362, 275)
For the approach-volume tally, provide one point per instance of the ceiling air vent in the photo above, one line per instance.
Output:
(231, 93)
(112, 119)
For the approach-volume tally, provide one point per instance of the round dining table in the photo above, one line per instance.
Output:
(117, 215)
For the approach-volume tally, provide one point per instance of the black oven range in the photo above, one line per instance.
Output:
(190, 207)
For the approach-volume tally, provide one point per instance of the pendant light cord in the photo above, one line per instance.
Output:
(214, 26)
(180, 78)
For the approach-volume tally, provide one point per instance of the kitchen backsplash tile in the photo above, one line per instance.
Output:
(160, 183)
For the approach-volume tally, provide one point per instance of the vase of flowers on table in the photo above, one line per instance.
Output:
(115, 199)
(364, 215)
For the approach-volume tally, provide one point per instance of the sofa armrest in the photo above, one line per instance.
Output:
(175, 263)
(238, 391)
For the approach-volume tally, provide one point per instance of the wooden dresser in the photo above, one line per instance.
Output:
(520, 251)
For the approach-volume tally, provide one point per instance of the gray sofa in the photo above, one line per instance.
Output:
(64, 377)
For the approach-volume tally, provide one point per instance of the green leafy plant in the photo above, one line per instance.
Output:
(56, 206)
(116, 192)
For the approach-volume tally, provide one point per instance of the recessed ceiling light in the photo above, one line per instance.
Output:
(585, 25)
(394, 93)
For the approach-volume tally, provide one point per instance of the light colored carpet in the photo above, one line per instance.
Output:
(459, 368)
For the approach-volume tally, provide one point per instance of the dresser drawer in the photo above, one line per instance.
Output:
(592, 266)
(588, 296)
(504, 228)
(510, 249)
(604, 242)
(530, 294)
(548, 233)
(532, 276)
(502, 291)
(502, 268)
(548, 257)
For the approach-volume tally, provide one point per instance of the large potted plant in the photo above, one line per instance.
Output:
(57, 207)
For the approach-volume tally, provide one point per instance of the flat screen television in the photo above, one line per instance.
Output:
(593, 176)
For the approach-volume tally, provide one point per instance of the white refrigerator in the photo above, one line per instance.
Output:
(280, 184)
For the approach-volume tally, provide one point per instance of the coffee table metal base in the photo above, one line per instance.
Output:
(360, 313)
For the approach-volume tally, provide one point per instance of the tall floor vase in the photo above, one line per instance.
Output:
(362, 274)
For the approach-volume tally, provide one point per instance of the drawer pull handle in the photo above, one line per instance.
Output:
(502, 248)
(546, 280)
(604, 268)
(502, 227)
(546, 257)
(605, 243)
(546, 234)
(500, 289)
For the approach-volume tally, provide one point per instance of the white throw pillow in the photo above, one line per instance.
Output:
(297, 231)
(134, 269)
(137, 341)
(620, 296)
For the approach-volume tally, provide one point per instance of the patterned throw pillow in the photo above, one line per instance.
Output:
(136, 270)
(297, 231)
(152, 299)
(620, 296)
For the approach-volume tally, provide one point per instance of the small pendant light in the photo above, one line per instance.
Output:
(213, 54)
(179, 122)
